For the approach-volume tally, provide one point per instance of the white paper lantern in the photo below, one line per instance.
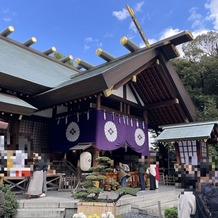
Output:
(85, 161)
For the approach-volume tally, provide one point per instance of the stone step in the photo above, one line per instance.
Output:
(151, 201)
(48, 202)
(40, 212)
(148, 197)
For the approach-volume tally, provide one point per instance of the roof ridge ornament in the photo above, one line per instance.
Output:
(31, 41)
(131, 46)
(84, 64)
(104, 55)
(7, 31)
(50, 51)
(67, 58)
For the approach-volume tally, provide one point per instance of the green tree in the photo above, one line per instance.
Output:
(198, 70)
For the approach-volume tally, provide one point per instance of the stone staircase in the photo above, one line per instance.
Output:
(155, 203)
(62, 205)
(47, 207)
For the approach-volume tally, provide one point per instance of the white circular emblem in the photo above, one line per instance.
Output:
(110, 131)
(139, 137)
(72, 132)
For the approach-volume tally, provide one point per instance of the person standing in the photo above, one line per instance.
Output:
(142, 173)
(44, 186)
(122, 174)
(36, 180)
(152, 173)
(157, 177)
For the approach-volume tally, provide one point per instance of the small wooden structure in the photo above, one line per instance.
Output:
(190, 140)
(90, 208)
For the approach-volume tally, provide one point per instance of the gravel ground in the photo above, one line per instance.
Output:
(136, 215)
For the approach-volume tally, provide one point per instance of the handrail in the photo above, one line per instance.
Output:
(65, 164)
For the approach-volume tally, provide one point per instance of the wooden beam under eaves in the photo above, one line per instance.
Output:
(171, 51)
(138, 71)
(162, 104)
(108, 92)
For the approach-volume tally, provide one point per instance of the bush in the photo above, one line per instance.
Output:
(11, 203)
(91, 191)
(171, 212)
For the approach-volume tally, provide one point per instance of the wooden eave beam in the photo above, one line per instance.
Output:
(93, 105)
(179, 89)
(170, 51)
(117, 98)
(135, 73)
(134, 94)
(162, 104)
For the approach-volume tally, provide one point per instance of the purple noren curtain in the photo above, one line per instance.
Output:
(108, 131)
(112, 131)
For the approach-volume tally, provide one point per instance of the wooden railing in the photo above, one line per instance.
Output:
(67, 183)
(168, 179)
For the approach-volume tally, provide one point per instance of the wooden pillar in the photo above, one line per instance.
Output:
(124, 108)
(98, 103)
(121, 106)
(15, 132)
(128, 109)
(95, 155)
(145, 116)
(178, 159)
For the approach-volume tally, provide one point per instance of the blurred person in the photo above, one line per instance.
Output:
(35, 187)
(157, 176)
(123, 174)
(142, 173)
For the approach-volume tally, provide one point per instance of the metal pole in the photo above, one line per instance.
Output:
(159, 209)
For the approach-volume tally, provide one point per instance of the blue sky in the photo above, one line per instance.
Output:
(79, 27)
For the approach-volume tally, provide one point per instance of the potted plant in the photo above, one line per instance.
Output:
(94, 184)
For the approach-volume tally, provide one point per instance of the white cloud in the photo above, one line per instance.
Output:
(88, 39)
(151, 41)
(7, 19)
(212, 6)
(169, 32)
(86, 47)
(138, 7)
(132, 27)
(121, 15)
(8, 15)
(199, 32)
(91, 42)
(108, 35)
(197, 18)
